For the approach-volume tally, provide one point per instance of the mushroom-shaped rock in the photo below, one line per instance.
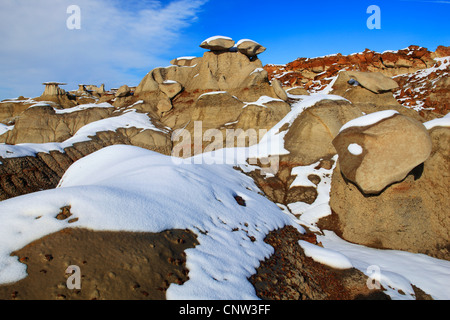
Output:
(249, 47)
(123, 91)
(218, 43)
(52, 89)
(279, 91)
(373, 81)
(82, 88)
(170, 87)
(381, 148)
(96, 89)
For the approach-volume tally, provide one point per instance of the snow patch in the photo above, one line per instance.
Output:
(369, 119)
(355, 149)
(441, 122)
(328, 257)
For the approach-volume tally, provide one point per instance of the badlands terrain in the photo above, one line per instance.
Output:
(219, 177)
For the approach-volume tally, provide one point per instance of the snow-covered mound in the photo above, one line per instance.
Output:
(132, 189)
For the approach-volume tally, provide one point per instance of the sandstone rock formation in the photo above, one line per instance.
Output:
(411, 215)
(217, 43)
(389, 188)
(53, 89)
(123, 91)
(279, 91)
(42, 124)
(413, 68)
(171, 88)
(373, 81)
(310, 136)
(375, 154)
(249, 47)
(96, 89)
(185, 61)
(178, 95)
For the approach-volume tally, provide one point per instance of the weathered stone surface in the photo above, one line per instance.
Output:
(249, 47)
(185, 61)
(164, 105)
(279, 91)
(297, 91)
(171, 88)
(217, 43)
(388, 151)
(311, 134)
(123, 91)
(42, 124)
(411, 215)
(373, 81)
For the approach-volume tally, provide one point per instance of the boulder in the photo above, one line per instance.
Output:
(373, 81)
(164, 105)
(123, 91)
(249, 47)
(218, 43)
(310, 136)
(170, 87)
(369, 101)
(279, 91)
(298, 91)
(381, 148)
(411, 215)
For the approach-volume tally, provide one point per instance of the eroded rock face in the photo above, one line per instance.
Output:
(373, 81)
(22, 175)
(414, 69)
(123, 91)
(41, 124)
(310, 136)
(376, 155)
(410, 215)
(250, 48)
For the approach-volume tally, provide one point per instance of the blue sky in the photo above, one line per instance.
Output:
(120, 41)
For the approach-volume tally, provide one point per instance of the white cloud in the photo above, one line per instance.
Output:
(115, 37)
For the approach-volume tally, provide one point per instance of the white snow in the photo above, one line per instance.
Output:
(186, 58)
(440, 122)
(369, 119)
(310, 214)
(355, 149)
(257, 70)
(244, 40)
(328, 257)
(169, 81)
(211, 93)
(216, 38)
(4, 128)
(261, 101)
(83, 107)
(398, 268)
